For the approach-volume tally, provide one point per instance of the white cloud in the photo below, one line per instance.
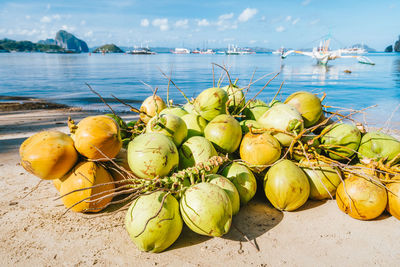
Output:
(144, 22)
(28, 17)
(294, 22)
(224, 22)
(161, 23)
(229, 39)
(306, 2)
(288, 18)
(252, 41)
(89, 34)
(45, 19)
(280, 29)
(56, 17)
(314, 22)
(247, 14)
(48, 6)
(83, 22)
(266, 41)
(263, 18)
(225, 16)
(183, 23)
(68, 28)
(203, 22)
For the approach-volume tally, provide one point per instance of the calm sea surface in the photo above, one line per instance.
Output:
(61, 78)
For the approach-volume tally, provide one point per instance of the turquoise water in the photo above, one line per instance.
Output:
(61, 78)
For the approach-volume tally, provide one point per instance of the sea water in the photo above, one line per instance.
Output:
(62, 78)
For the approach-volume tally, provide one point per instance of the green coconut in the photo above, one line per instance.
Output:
(177, 111)
(229, 189)
(340, 140)
(189, 107)
(377, 146)
(286, 186)
(285, 118)
(244, 180)
(195, 124)
(169, 125)
(206, 209)
(196, 150)
(235, 97)
(151, 155)
(150, 232)
(224, 132)
(255, 109)
(259, 150)
(323, 179)
(309, 106)
(211, 103)
(249, 123)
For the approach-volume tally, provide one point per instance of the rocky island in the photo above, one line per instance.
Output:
(108, 48)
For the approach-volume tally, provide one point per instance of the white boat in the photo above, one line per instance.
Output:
(322, 53)
(141, 51)
(207, 52)
(180, 51)
(279, 51)
(235, 50)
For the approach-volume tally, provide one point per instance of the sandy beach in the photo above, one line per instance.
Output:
(34, 231)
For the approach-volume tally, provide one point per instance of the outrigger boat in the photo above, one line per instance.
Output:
(322, 54)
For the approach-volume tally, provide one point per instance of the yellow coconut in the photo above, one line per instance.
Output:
(95, 134)
(48, 154)
(150, 107)
(84, 175)
(260, 150)
(361, 198)
(393, 205)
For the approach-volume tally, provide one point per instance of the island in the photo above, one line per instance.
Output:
(108, 48)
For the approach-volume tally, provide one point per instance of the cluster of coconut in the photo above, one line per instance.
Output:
(172, 167)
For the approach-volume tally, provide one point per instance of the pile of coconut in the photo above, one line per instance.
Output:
(199, 163)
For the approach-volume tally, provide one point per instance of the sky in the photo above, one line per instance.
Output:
(206, 23)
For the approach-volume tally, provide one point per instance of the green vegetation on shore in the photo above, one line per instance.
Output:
(108, 48)
(27, 46)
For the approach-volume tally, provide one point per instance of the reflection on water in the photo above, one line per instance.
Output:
(63, 77)
(396, 73)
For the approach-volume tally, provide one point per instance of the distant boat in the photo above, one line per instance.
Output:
(323, 54)
(180, 51)
(365, 60)
(141, 51)
(234, 50)
(279, 51)
(203, 52)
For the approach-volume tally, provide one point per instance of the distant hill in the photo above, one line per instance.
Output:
(366, 47)
(27, 46)
(108, 48)
(48, 42)
(69, 42)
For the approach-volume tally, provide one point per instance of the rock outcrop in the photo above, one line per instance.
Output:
(389, 49)
(69, 42)
(397, 45)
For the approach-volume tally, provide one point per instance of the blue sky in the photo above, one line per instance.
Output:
(272, 23)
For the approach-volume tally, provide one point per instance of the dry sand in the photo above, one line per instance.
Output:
(33, 233)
